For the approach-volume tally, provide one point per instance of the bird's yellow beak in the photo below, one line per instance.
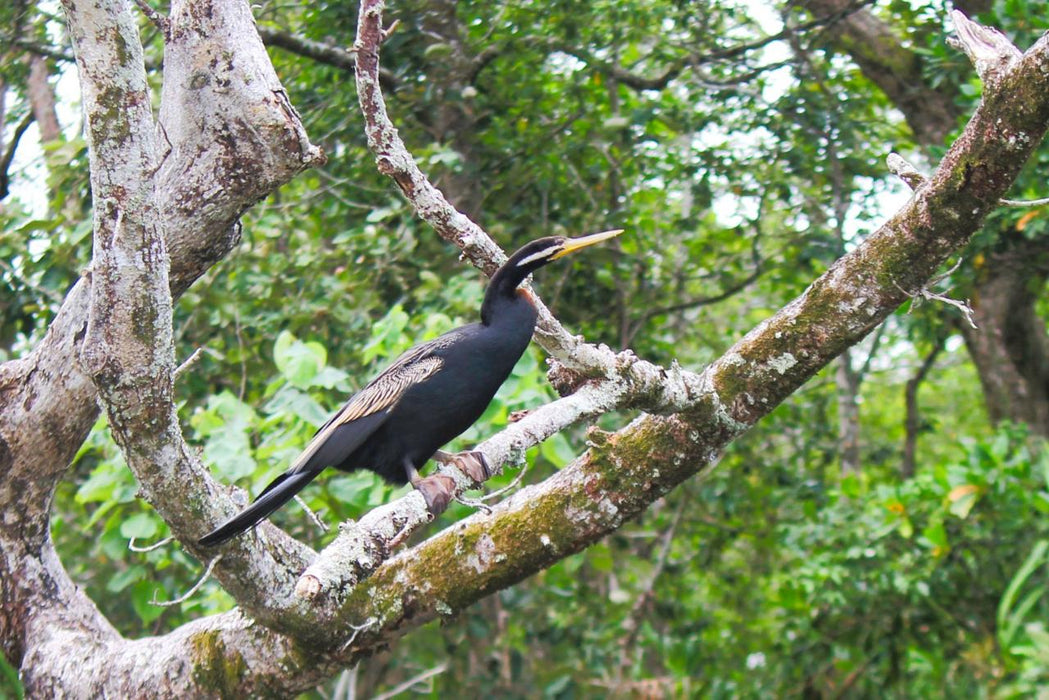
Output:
(574, 244)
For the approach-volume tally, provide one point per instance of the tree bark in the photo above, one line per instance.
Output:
(114, 334)
(1010, 346)
(42, 100)
(1009, 349)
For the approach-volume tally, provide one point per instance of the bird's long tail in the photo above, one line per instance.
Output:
(279, 492)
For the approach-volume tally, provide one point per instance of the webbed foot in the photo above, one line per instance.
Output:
(438, 490)
(472, 463)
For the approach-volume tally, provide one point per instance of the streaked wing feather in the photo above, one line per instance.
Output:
(367, 409)
(385, 391)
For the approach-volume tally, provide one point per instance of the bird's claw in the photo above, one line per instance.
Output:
(438, 491)
(473, 464)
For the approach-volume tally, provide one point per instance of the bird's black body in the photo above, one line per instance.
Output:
(427, 397)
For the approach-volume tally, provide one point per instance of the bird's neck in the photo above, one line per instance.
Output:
(502, 294)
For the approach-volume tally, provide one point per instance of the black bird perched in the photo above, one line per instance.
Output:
(428, 396)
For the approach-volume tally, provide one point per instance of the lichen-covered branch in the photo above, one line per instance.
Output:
(165, 210)
(991, 53)
(343, 618)
(624, 472)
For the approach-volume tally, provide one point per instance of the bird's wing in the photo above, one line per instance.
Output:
(367, 410)
(347, 430)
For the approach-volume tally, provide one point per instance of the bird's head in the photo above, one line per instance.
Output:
(541, 251)
(529, 259)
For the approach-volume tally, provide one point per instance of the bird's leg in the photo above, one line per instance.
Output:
(472, 463)
(438, 489)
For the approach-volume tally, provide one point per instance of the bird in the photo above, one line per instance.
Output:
(424, 399)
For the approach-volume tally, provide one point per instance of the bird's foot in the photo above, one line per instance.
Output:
(472, 463)
(438, 491)
(518, 415)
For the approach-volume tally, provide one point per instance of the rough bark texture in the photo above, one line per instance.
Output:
(47, 399)
(1009, 351)
(145, 216)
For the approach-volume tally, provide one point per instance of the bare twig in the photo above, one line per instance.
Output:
(321, 525)
(357, 629)
(188, 594)
(479, 502)
(925, 294)
(150, 548)
(1024, 202)
(189, 362)
(413, 681)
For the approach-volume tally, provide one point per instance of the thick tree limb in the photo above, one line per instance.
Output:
(623, 473)
(618, 477)
(892, 67)
(129, 257)
(47, 400)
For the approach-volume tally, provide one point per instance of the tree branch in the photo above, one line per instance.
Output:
(47, 400)
(912, 420)
(327, 54)
(8, 156)
(624, 472)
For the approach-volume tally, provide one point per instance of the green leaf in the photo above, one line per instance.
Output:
(229, 451)
(851, 486)
(140, 526)
(906, 528)
(299, 362)
(108, 482)
(290, 403)
(936, 535)
(123, 579)
(962, 498)
(1008, 621)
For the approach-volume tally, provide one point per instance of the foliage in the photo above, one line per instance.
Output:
(782, 577)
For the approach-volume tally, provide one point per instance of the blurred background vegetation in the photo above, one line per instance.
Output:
(883, 533)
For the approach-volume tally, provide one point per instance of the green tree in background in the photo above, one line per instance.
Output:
(881, 532)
